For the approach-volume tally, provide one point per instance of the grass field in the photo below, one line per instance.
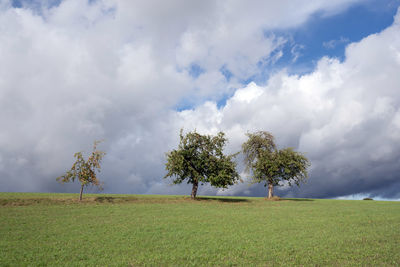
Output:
(132, 230)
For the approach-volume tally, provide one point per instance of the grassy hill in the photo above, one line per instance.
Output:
(142, 230)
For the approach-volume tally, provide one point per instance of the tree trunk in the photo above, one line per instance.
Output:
(270, 190)
(80, 194)
(194, 189)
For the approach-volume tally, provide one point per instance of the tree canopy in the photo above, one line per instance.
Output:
(85, 170)
(200, 159)
(272, 166)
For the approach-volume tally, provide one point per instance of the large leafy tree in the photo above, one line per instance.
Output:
(200, 159)
(272, 166)
(85, 170)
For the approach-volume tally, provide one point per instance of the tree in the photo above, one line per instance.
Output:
(85, 170)
(200, 159)
(271, 165)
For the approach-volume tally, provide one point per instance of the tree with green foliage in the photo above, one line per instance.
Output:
(200, 159)
(272, 166)
(85, 170)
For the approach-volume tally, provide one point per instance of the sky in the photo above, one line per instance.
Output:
(321, 76)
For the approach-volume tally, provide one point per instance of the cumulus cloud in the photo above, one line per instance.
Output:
(76, 71)
(344, 115)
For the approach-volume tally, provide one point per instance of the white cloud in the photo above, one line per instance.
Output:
(115, 70)
(343, 115)
(333, 43)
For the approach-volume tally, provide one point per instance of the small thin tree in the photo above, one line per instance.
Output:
(85, 170)
(271, 165)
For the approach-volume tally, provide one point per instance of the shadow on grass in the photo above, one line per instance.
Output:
(103, 199)
(298, 199)
(232, 200)
(24, 202)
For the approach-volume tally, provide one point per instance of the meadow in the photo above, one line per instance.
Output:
(147, 230)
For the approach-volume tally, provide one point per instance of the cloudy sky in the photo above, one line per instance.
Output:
(322, 76)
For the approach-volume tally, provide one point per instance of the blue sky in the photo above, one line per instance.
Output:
(328, 35)
(322, 35)
(135, 72)
(350, 26)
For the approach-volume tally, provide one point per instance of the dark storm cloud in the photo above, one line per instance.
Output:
(345, 116)
(115, 70)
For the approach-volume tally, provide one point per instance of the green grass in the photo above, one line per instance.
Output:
(133, 230)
